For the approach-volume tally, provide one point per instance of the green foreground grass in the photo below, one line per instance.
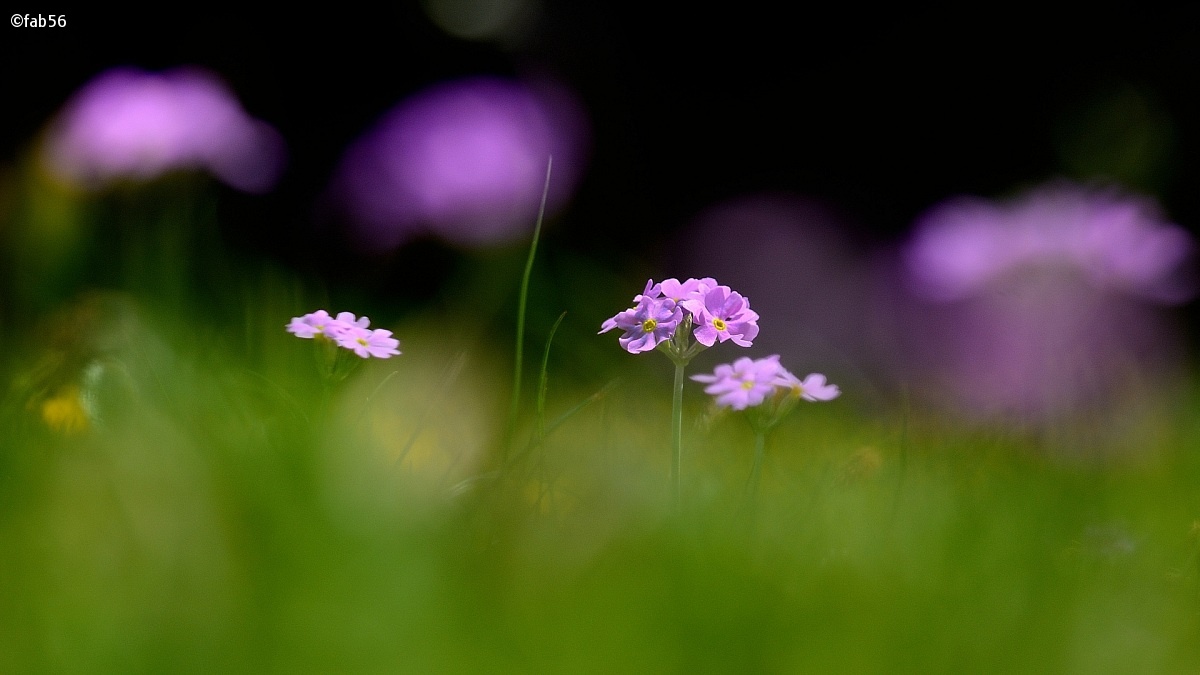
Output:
(223, 511)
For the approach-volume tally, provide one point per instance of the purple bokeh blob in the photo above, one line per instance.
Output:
(1115, 242)
(1042, 306)
(463, 160)
(128, 124)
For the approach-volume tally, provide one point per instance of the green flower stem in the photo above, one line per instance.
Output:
(760, 444)
(680, 349)
(677, 432)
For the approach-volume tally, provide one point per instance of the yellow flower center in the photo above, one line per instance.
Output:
(719, 324)
(361, 341)
(748, 385)
(649, 325)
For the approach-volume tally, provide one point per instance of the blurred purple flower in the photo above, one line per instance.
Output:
(1042, 305)
(799, 261)
(347, 331)
(367, 343)
(748, 382)
(744, 383)
(346, 321)
(1115, 242)
(311, 325)
(812, 388)
(463, 160)
(128, 124)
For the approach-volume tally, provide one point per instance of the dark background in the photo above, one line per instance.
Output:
(881, 116)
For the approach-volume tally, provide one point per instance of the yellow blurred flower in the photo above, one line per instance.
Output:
(66, 411)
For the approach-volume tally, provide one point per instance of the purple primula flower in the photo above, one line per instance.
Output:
(688, 294)
(311, 325)
(744, 383)
(715, 312)
(649, 323)
(652, 291)
(812, 388)
(725, 315)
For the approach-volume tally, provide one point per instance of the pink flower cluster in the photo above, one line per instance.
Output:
(748, 382)
(716, 312)
(346, 331)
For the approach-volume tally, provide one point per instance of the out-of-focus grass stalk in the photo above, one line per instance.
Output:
(760, 444)
(447, 380)
(515, 405)
(544, 380)
(562, 419)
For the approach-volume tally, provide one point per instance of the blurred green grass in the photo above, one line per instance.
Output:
(224, 511)
(179, 492)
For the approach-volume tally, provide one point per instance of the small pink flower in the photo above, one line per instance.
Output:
(367, 343)
(812, 388)
(744, 383)
(344, 322)
(312, 324)
(347, 331)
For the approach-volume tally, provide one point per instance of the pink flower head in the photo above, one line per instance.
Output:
(744, 383)
(367, 343)
(647, 324)
(652, 291)
(345, 322)
(312, 324)
(688, 294)
(725, 315)
(347, 331)
(812, 388)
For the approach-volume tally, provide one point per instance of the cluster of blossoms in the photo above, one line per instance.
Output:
(748, 382)
(711, 311)
(346, 331)
(682, 319)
